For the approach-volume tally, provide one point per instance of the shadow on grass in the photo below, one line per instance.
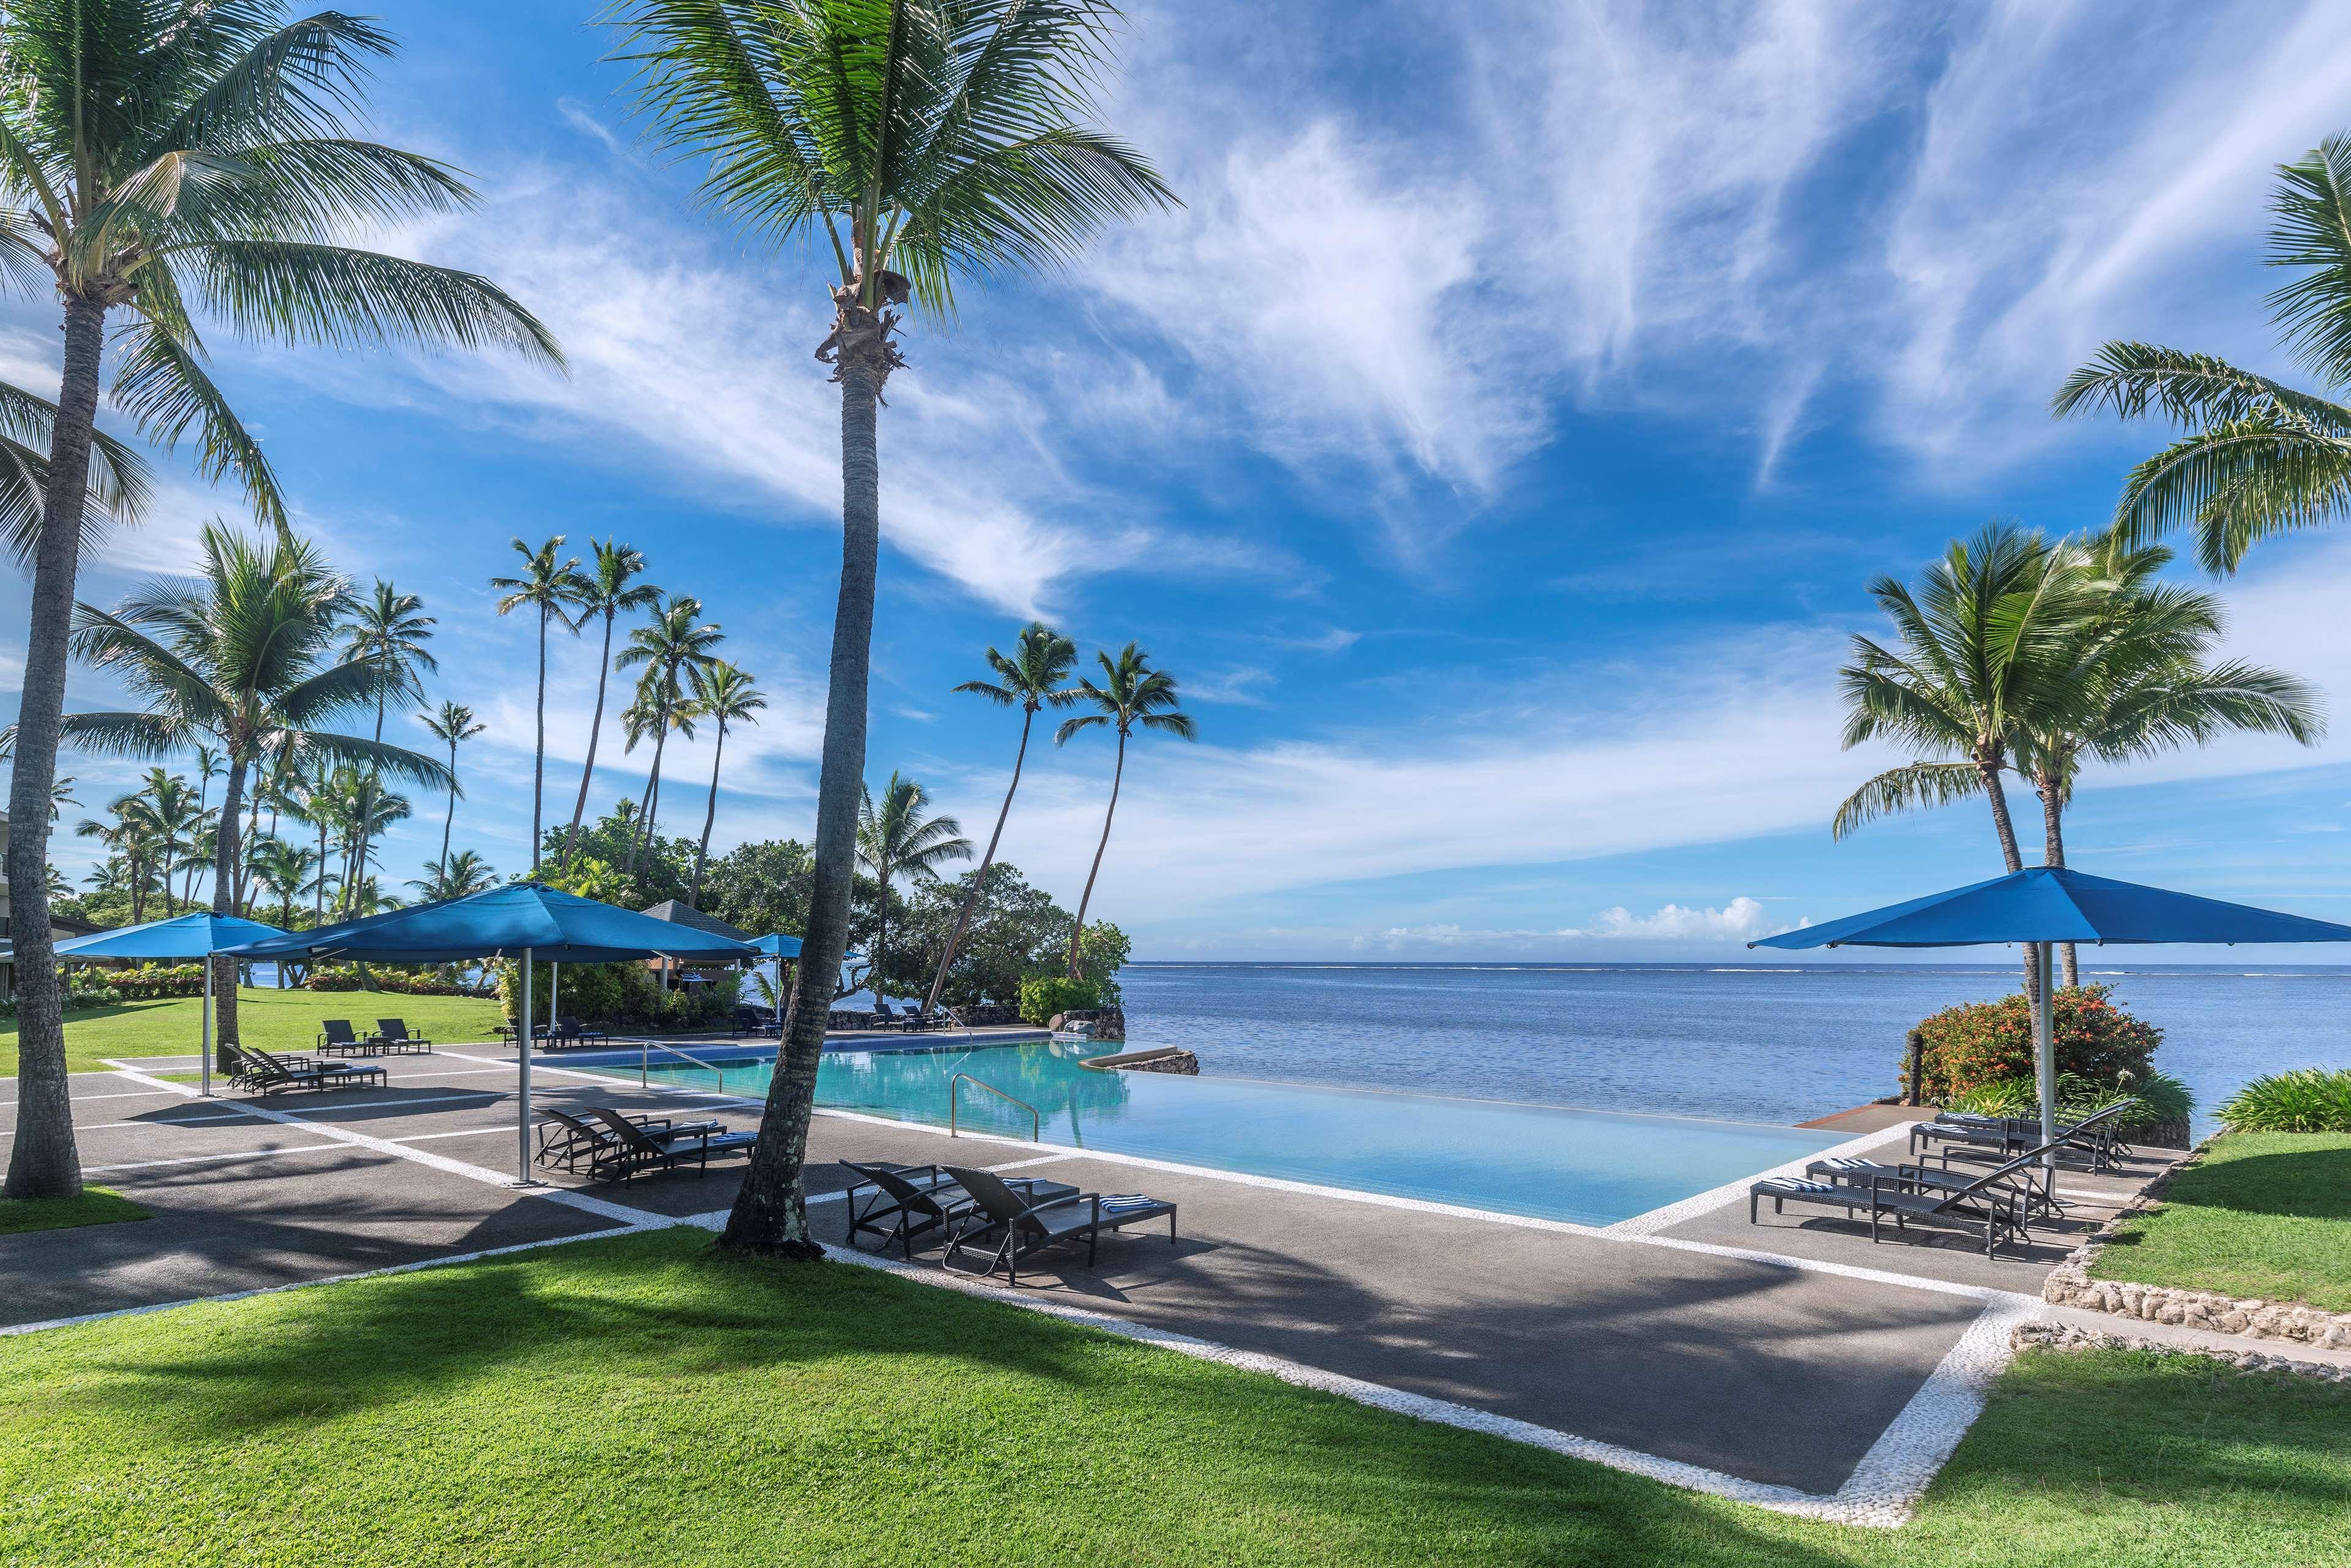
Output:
(2301, 1184)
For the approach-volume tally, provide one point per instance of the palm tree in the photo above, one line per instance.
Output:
(670, 643)
(550, 588)
(391, 627)
(241, 656)
(454, 724)
(896, 838)
(177, 819)
(923, 140)
(160, 161)
(318, 789)
(2260, 457)
(455, 877)
(1031, 679)
(208, 768)
(650, 713)
(132, 838)
(284, 869)
(603, 591)
(723, 692)
(1131, 692)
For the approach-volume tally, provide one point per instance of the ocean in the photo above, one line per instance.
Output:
(1755, 1043)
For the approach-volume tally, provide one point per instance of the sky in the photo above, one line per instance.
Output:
(1496, 444)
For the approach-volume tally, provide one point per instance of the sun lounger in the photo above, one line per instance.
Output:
(1988, 1207)
(570, 1030)
(265, 1073)
(392, 1034)
(2094, 1135)
(1031, 1226)
(639, 1150)
(913, 1201)
(335, 1034)
(2035, 1198)
(565, 1139)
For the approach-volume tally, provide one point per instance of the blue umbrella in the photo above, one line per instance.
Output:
(525, 920)
(197, 936)
(778, 945)
(2047, 904)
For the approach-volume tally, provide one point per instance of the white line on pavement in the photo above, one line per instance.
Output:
(208, 1159)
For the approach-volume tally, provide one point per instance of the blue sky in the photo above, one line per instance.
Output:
(1497, 446)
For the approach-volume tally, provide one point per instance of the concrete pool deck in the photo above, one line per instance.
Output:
(1790, 1362)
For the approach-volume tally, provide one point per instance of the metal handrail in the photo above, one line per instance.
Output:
(646, 1047)
(1036, 1122)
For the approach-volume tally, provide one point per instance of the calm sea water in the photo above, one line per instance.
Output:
(1760, 1043)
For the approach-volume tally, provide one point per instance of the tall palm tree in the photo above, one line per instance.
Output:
(208, 768)
(158, 160)
(241, 656)
(178, 818)
(455, 877)
(651, 713)
(603, 591)
(895, 839)
(368, 812)
(391, 627)
(1131, 692)
(316, 787)
(923, 140)
(550, 588)
(132, 836)
(454, 724)
(673, 640)
(1029, 679)
(284, 869)
(722, 692)
(2259, 457)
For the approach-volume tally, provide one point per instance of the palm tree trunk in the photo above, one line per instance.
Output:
(770, 1212)
(42, 1159)
(653, 794)
(595, 728)
(702, 851)
(224, 859)
(2006, 828)
(319, 888)
(539, 754)
(244, 866)
(1078, 933)
(881, 941)
(449, 821)
(971, 899)
(375, 788)
(2052, 852)
(188, 885)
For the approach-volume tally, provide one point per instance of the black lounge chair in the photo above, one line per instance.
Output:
(265, 1073)
(565, 1139)
(1988, 1206)
(751, 1020)
(1031, 1226)
(570, 1030)
(913, 1201)
(2035, 1198)
(639, 1150)
(392, 1034)
(2093, 1136)
(335, 1034)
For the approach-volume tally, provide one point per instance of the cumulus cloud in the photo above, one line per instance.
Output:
(1741, 920)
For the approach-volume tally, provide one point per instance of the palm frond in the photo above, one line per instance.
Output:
(2195, 390)
(1912, 787)
(2237, 484)
(161, 384)
(2310, 228)
(343, 298)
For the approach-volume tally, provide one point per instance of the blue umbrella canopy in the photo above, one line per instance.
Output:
(554, 925)
(2055, 903)
(778, 945)
(182, 936)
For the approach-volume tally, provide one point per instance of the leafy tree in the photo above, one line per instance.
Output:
(1029, 679)
(549, 589)
(724, 695)
(923, 140)
(895, 838)
(1131, 692)
(662, 868)
(762, 888)
(607, 588)
(160, 158)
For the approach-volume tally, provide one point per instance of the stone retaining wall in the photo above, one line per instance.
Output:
(2070, 1285)
(2073, 1336)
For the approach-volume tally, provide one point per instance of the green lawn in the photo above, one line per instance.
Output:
(649, 1400)
(96, 1206)
(2264, 1214)
(274, 1020)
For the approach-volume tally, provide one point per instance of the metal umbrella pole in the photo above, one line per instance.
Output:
(208, 1025)
(522, 1122)
(2044, 1051)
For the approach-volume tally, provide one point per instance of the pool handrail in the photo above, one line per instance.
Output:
(646, 1047)
(1036, 1122)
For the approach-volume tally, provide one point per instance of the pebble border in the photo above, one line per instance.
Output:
(2070, 1285)
(2040, 1332)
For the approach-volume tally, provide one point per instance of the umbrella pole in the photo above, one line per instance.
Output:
(208, 1026)
(2044, 1051)
(522, 1122)
(554, 999)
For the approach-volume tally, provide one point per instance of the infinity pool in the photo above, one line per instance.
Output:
(1594, 1167)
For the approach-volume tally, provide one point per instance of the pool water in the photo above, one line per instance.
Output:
(1592, 1168)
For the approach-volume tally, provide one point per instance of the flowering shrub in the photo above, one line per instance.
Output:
(152, 982)
(346, 978)
(1980, 1043)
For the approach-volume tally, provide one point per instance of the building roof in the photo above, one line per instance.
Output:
(678, 912)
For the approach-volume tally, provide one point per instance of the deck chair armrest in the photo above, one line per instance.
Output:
(1063, 1201)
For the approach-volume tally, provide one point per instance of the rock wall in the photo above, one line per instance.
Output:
(1108, 1023)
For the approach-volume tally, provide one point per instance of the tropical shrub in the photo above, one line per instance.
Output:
(1976, 1044)
(626, 995)
(2307, 1099)
(2160, 1097)
(377, 977)
(1044, 996)
(84, 993)
(152, 982)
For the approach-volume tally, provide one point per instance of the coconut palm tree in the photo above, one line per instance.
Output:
(1029, 679)
(723, 693)
(284, 869)
(160, 160)
(896, 838)
(2259, 457)
(454, 724)
(603, 591)
(651, 713)
(1131, 692)
(208, 768)
(241, 656)
(368, 810)
(455, 877)
(171, 807)
(391, 627)
(672, 641)
(318, 792)
(551, 588)
(923, 141)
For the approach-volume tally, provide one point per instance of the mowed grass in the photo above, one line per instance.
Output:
(649, 1400)
(95, 1206)
(2263, 1214)
(272, 1020)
